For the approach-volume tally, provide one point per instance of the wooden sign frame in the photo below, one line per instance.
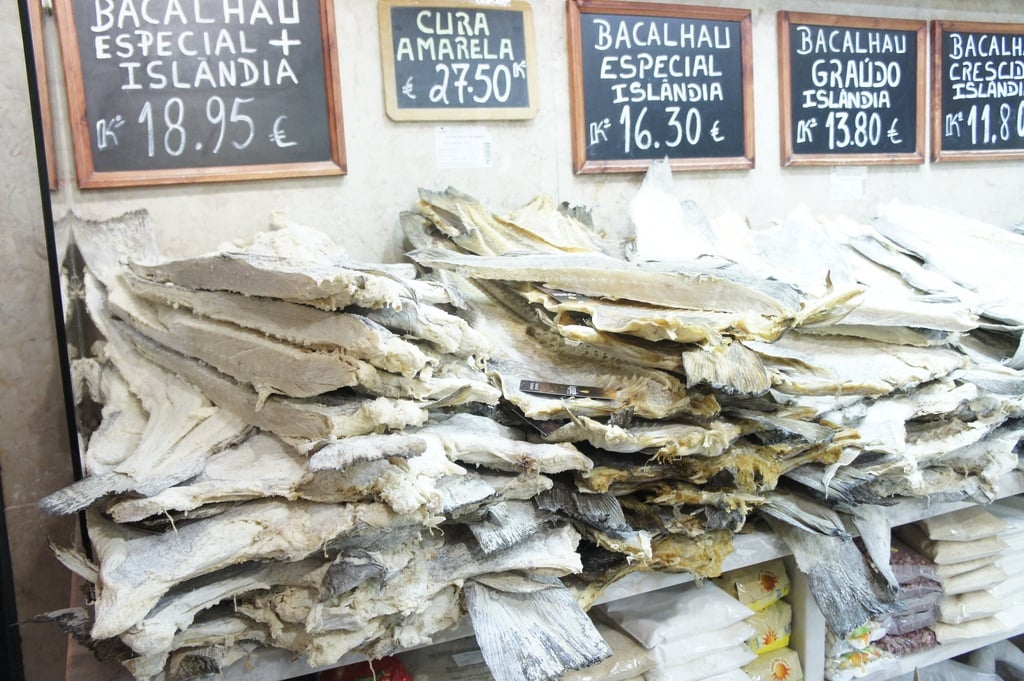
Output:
(583, 165)
(787, 155)
(387, 57)
(90, 178)
(938, 74)
(35, 21)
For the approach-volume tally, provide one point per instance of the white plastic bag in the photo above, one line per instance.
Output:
(675, 613)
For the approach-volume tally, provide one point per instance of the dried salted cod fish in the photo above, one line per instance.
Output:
(294, 264)
(443, 563)
(183, 428)
(655, 323)
(524, 361)
(666, 440)
(851, 366)
(352, 334)
(273, 366)
(505, 524)
(321, 419)
(728, 366)
(342, 453)
(123, 420)
(533, 636)
(600, 518)
(176, 611)
(137, 570)
(270, 366)
(482, 441)
(689, 286)
(941, 239)
(263, 466)
(847, 591)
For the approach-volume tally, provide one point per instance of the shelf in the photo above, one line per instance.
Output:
(268, 664)
(940, 653)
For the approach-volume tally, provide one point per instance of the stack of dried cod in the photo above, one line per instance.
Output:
(303, 452)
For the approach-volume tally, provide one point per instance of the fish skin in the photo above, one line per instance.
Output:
(553, 634)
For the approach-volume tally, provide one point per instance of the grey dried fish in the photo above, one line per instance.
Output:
(552, 633)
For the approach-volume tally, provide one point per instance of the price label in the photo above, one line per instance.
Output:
(853, 89)
(457, 60)
(668, 82)
(190, 92)
(980, 88)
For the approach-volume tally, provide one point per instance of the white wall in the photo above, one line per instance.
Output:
(388, 161)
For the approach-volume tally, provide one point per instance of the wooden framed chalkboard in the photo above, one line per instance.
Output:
(35, 22)
(458, 60)
(163, 93)
(851, 89)
(650, 81)
(977, 91)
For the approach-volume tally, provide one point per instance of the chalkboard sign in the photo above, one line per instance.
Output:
(851, 89)
(977, 91)
(651, 81)
(173, 92)
(457, 60)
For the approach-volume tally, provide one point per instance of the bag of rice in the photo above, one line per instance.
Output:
(757, 586)
(700, 668)
(629, 659)
(772, 628)
(967, 524)
(674, 613)
(713, 642)
(780, 665)
(969, 606)
(974, 580)
(944, 552)
(986, 626)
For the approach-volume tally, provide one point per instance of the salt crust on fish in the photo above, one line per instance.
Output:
(351, 334)
(802, 365)
(135, 571)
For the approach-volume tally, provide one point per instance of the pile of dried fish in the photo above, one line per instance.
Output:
(290, 452)
(299, 451)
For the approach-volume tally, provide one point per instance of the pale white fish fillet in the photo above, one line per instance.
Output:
(123, 419)
(448, 333)
(325, 284)
(208, 646)
(264, 467)
(342, 453)
(135, 572)
(935, 438)
(668, 439)
(800, 251)
(286, 418)
(303, 325)
(178, 609)
(978, 256)
(549, 551)
(270, 366)
(656, 323)
(182, 430)
(105, 245)
(840, 365)
(684, 285)
(608, 346)
(882, 423)
(482, 441)
(896, 335)
(537, 226)
(649, 392)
